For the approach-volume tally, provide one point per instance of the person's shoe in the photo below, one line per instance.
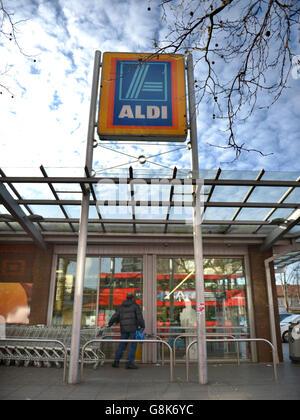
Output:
(116, 364)
(131, 365)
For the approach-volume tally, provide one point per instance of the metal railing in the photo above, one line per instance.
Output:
(32, 353)
(208, 335)
(150, 341)
(239, 340)
(110, 335)
(234, 329)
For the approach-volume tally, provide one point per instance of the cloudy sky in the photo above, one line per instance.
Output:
(46, 120)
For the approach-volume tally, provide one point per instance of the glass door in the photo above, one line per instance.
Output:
(225, 304)
(118, 276)
(106, 284)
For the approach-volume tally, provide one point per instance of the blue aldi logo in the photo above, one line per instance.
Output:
(143, 93)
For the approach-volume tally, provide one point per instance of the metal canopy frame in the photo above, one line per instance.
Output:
(18, 214)
(222, 228)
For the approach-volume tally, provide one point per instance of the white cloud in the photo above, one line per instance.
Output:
(46, 122)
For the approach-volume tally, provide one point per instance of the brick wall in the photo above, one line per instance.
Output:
(260, 303)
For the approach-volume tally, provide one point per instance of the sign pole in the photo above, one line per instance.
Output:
(83, 232)
(197, 233)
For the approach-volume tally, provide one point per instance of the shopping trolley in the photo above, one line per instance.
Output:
(42, 353)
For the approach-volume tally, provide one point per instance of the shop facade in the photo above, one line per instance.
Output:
(188, 243)
(41, 289)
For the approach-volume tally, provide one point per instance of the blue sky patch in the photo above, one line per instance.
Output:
(55, 104)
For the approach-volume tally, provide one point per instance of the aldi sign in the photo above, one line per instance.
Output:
(142, 97)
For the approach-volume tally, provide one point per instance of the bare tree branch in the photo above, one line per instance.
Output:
(242, 52)
(8, 31)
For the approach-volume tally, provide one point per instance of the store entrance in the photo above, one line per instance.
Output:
(164, 287)
(225, 304)
(106, 284)
(118, 276)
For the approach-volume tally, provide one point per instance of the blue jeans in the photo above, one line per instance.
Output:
(122, 346)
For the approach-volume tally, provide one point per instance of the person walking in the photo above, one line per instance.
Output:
(130, 317)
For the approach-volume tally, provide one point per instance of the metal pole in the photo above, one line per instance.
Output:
(198, 247)
(83, 230)
(98, 297)
(192, 116)
(271, 308)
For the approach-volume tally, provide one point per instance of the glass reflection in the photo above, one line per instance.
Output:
(225, 302)
(64, 293)
(118, 277)
(106, 284)
(102, 292)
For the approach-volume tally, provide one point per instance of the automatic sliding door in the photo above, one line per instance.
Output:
(118, 276)
(225, 303)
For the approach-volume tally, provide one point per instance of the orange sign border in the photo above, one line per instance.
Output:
(107, 130)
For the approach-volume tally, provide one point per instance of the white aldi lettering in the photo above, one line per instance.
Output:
(150, 112)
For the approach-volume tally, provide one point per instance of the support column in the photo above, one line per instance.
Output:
(198, 247)
(83, 231)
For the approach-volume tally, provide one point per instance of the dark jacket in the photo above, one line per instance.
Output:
(129, 315)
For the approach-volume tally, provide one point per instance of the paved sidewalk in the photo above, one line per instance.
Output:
(150, 382)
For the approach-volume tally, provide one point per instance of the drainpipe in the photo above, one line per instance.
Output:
(271, 305)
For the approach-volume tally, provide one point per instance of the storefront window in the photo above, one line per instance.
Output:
(64, 296)
(225, 289)
(109, 279)
(106, 284)
(225, 299)
(175, 287)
